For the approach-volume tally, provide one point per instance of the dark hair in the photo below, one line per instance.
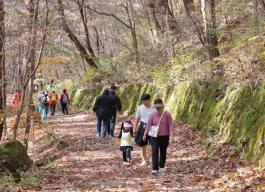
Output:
(106, 91)
(113, 87)
(158, 101)
(64, 91)
(145, 97)
(122, 127)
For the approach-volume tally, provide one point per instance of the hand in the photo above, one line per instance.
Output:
(144, 138)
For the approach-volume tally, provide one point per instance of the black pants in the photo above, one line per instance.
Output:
(113, 123)
(53, 108)
(159, 147)
(47, 108)
(64, 108)
(127, 155)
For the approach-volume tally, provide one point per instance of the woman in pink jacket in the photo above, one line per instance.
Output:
(161, 121)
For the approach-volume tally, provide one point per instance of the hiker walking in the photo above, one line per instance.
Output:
(17, 99)
(53, 99)
(116, 107)
(159, 128)
(47, 103)
(103, 108)
(65, 101)
(126, 137)
(143, 113)
(43, 100)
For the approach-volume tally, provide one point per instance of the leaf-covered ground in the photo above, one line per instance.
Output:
(195, 163)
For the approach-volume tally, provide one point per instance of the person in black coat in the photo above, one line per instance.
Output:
(103, 108)
(116, 107)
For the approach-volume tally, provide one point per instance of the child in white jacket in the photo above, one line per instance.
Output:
(126, 137)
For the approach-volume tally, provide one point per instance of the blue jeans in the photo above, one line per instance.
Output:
(106, 126)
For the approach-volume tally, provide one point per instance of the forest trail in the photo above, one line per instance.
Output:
(95, 164)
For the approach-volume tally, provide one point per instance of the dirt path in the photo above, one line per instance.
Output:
(92, 164)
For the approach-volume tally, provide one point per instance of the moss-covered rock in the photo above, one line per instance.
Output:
(13, 157)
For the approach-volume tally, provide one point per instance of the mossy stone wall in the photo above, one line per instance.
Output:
(235, 111)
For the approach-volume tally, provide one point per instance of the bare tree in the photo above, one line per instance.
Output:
(2, 68)
(83, 52)
(209, 19)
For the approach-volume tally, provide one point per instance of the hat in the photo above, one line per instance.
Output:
(127, 125)
(145, 97)
(158, 103)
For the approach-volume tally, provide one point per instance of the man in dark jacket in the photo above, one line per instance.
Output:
(116, 107)
(103, 108)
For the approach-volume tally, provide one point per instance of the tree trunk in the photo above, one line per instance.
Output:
(255, 15)
(84, 21)
(32, 8)
(152, 12)
(129, 10)
(208, 14)
(189, 8)
(2, 69)
(167, 16)
(83, 53)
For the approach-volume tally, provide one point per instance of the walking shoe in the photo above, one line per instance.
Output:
(98, 135)
(162, 170)
(124, 163)
(143, 163)
(154, 172)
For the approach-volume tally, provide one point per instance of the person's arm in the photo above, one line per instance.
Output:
(119, 104)
(120, 134)
(136, 123)
(171, 124)
(68, 99)
(148, 127)
(95, 107)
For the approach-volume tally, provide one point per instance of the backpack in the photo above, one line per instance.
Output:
(43, 99)
(65, 98)
(54, 97)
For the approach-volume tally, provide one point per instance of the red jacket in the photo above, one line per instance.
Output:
(53, 98)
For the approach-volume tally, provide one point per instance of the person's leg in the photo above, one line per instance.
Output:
(124, 156)
(163, 145)
(63, 108)
(143, 153)
(47, 109)
(106, 129)
(113, 123)
(155, 151)
(128, 155)
(54, 109)
(66, 109)
(99, 123)
(51, 109)
(43, 112)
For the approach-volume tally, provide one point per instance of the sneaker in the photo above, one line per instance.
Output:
(124, 163)
(162, 170)
(143, 163)
(98, 135)
(128, 163)
(154, 172)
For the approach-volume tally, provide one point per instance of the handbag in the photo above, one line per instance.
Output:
(155, 128)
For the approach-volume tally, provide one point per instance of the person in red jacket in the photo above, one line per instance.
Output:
(53, 99)
(65, 101)
(17, 99)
